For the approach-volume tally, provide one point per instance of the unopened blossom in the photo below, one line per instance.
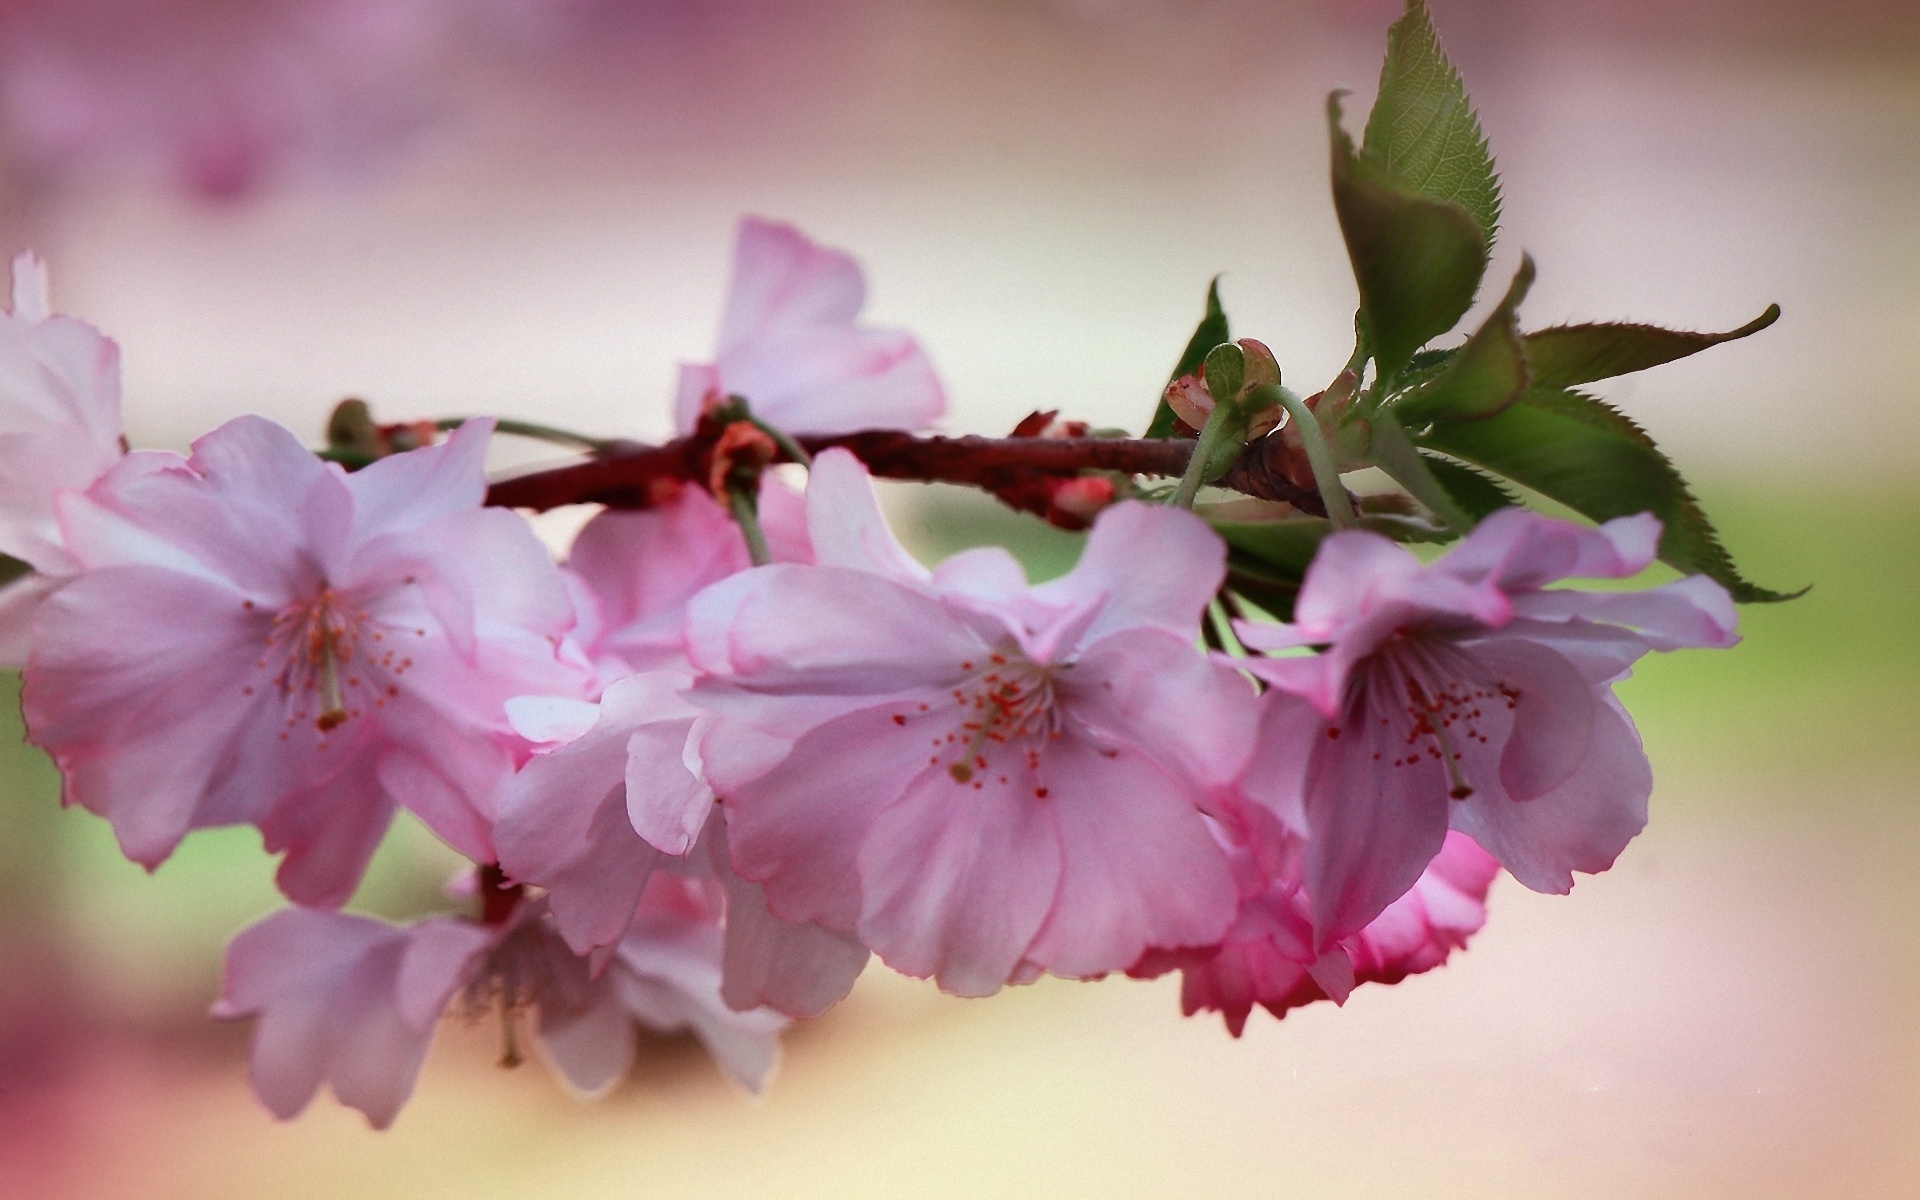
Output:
(1268, 957)
(792, 345)
(59, 431)
(354, 1002)
(976, 777)
(257, 637)
(1464, 694)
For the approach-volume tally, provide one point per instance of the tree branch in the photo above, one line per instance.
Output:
(1022, 471)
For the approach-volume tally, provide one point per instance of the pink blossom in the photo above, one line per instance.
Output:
(1268, 957)
(261, 638)
(352, 1001)
(791, 344)
(59, 431)
(1464, 694)
(976, 777)
(223, 98)
(592, 819)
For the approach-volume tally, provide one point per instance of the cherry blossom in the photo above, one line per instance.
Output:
(59, 431)
(1268, 958)
(974, 775)
(1464, 694)
(791, 345)
(258, 637)
(352, 1001)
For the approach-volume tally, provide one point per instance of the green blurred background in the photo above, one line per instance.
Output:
(1041, 191)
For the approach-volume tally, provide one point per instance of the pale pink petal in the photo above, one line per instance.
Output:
(836, 380)
(643, 566)
(402, 492)
(1124, 685)
(20, 601)
(783, 283)
(1275, 777)
(1583, 824)
(324, 989)
(1188, 559)
(30, 287)
(1553, 717)
(832, 630)
(1138, 869)
(328, 834)
(551, 720)
(957, 878)
(1691, 612)
(441, 954)
(695, 383)
(796, 968)
(1438, 914)
(564, 826)
(986, 573)
(846, 526)
(1517, 550)
(1371, 830)
(789, 344)
(591, 1048)
(798, 829)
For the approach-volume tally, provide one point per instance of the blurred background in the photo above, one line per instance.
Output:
(526, 207)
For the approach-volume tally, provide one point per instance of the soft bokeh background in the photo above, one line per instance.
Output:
(525, 207)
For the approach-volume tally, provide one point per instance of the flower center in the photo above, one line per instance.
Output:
(1004, 704)
(330, 661)
(1426, 701)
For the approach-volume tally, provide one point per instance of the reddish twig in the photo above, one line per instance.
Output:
(1017, 470)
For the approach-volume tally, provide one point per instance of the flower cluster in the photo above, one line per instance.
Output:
(740, 740)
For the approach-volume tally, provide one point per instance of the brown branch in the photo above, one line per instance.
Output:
(1021, 470)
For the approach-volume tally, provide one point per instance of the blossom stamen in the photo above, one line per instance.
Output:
(1010, 700)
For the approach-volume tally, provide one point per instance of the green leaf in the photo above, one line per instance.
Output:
(1267, 560)
(1283, 546)
(1476, 493)
(1211, 332)
(1569, 355)
(1423, 127)
(1395, 454)
(1596, 461)
(11, 569)
(1487, 374)
(1418, 260)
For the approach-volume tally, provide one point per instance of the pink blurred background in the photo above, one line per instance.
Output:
(525, 207)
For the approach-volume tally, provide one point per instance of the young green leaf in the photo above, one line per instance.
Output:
(1487, 374)
(1285, 547)
(1476, 493)
(1418, 260)
(1395, 454)
(1423, 127)
(1593, 459)
(1211, 332)
(1570, 355)
(1268, 560)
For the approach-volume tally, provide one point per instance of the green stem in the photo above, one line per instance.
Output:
(1223, 633)
(532, 429)
(792, 449)
(1326, 475)
(746, 515)
(1218, 428)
